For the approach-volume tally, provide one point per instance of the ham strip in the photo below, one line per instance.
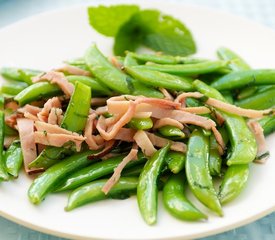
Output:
(262, 152)
(218, 137)
(88, 133)
(73, 70)
(197, 110)
(30, 116)
(55, 116)
(58, 140)
(51, 103)
(11, 105)
(107, 148)
(49, 128)
(143, 141)
(98, 101)
(58, 78)
(125, 134)
(168, 122)
(166, 94)
(30, 109)
(26, 135)
(117, 172)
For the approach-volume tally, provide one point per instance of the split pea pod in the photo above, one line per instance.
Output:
(3, 173)
(171, 132)
(116, 80)
(233, 183)
(147, 191)
(13, 87)
(187, 69)
(262, 100)
(175, 161)
(241, 79)
(160, 79)
(140, 123)
(92, 192)
(47, 181)
(93, 172)
(236, 62)
(175, 201)
(243, 143)
(197, 171)
(37, 91)
(268, 124)
(14, 159)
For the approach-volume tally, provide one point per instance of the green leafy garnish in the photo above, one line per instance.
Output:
(108, 20)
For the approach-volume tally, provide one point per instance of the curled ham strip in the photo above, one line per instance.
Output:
(55, 116)
(262, 152)
(115, 62)
(26, 135)
(143, 141)
(219, 118)
(58, 78)
(197, 110)
(73, 70)
(10, 120)
(166, 94)
(30, 116)
(117, 172)
(125, 134)
(49, 128)
(98, 101)
(182, 97)
(51, 103)
(143, 115)
(11, 105)
(219, 139)
(107, 148)
(8, 140)
(168, 121)
(58, 139)
(101, 110)
(30, 109)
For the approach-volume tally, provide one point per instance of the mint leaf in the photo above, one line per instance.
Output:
(107, 20)
(157, 31)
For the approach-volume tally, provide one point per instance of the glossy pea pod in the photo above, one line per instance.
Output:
(13, 87)
(47, 181)
(243, 143)
(215, 160)
(175, 161)
(129, 61)
(187, 69)
(268, 124)
(14, 159)
(133, 171)
(259, 101)
(233, 183)
(164, 59)
(93, 172)
(114, 79)
(10, 131)
(19, 74)
(236, 62)
(147, 191)
(92, 192)
(3, 173)
(176, 202)
(140, 123)
(241, 79)
(171, 132)
(37, 91)
(160, 79)
(78, 62)
(197, 171)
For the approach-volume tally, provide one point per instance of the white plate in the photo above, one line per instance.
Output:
(45, 40)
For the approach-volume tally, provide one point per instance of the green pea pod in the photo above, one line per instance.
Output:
(37, 91)
(268, 124)
(186, 69)
(3, 173)
(14, 158)
(197, 171)
(176, 202)
(93, 172)
(164, 59)
(160, 79)
(258, 101)
(19, 74)
(241, 79)
(171, 132)
(228, 96)
(247, 92)
(95, 86)
(140, 123)
(215, 160)
(116, 80)
(78, 62)
(10, 131)
(92, 192)
(13, 87)
(175, 161)
(78, 109)
(243, 143)
(2, 102)
(129, 61)
(193, 102)
(132, 171)
(48, 180)
(233, 183)
(147, 191)
(50, 155)
(236, 62)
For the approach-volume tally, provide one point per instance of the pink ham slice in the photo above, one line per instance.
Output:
(73, 70)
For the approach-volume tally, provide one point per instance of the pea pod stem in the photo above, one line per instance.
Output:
(147, 191)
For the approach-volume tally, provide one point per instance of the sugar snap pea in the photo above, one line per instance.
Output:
(175, 161)
(116, 80)
(147, 192)
(37, 91)
(48, 180)
(236, 62)
(215, 160)
(233, 183)
(10, 131)
(176, 202)
(13, 87)
(92, 192)
(186, 69)
(140, 123)
(129, 61)
(14, 159)
(241, 79)
(243, 143)
(268, 124)
(93, 172)
(160, 79)
(132, 171)
(197, 171)
(171, 132)
(3, 173)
